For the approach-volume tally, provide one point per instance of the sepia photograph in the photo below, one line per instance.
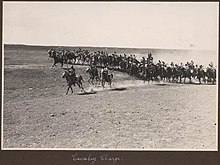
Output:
(128, 76)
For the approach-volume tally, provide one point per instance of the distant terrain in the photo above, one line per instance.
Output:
(109, 49)
(201, 57)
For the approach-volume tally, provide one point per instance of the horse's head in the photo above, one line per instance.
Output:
(49, 52)
(65, 74)
(87, 70)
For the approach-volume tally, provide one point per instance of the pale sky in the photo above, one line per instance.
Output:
(140, 25)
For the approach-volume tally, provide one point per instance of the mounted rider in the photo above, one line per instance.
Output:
(104, 72)
(72, 73)
(172, 65)
(52, 53)
(150, 59)
(181, 65)
(143, 63)
(94, 69)
(191, 64)
(211, 66)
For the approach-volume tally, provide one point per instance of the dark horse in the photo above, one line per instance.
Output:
(188, 73)
(93, 75)
(57, 59)
(106, 78)
(148, 74)
(72, 80)
(70, 56)
(211, 75)
(201, 74)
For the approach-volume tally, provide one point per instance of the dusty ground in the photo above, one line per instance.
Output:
(38, 114)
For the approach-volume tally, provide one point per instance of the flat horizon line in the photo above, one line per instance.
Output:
(92, 46)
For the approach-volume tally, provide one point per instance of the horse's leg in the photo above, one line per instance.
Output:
(103, 83)
(177, 79)
(89, 80)
(54, 64)
(96, 81)
(199, 79)
(80, 86)
(71, 89)
(180, 79)
(92, 81)
(213, 80)
(110, 83)
(67, 90)
(173, 79)
(144, 79)
(99, 81)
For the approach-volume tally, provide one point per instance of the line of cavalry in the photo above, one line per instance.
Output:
(144, 69)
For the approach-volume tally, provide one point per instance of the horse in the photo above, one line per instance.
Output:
(211, 75)
(188, 73)
(93, 74)
(133, 70)
(177, 74)
(57, 59)
(201, 74)
(105, 77)
(70, 55)
(148, 74)
(73, 80)
(168, 73)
